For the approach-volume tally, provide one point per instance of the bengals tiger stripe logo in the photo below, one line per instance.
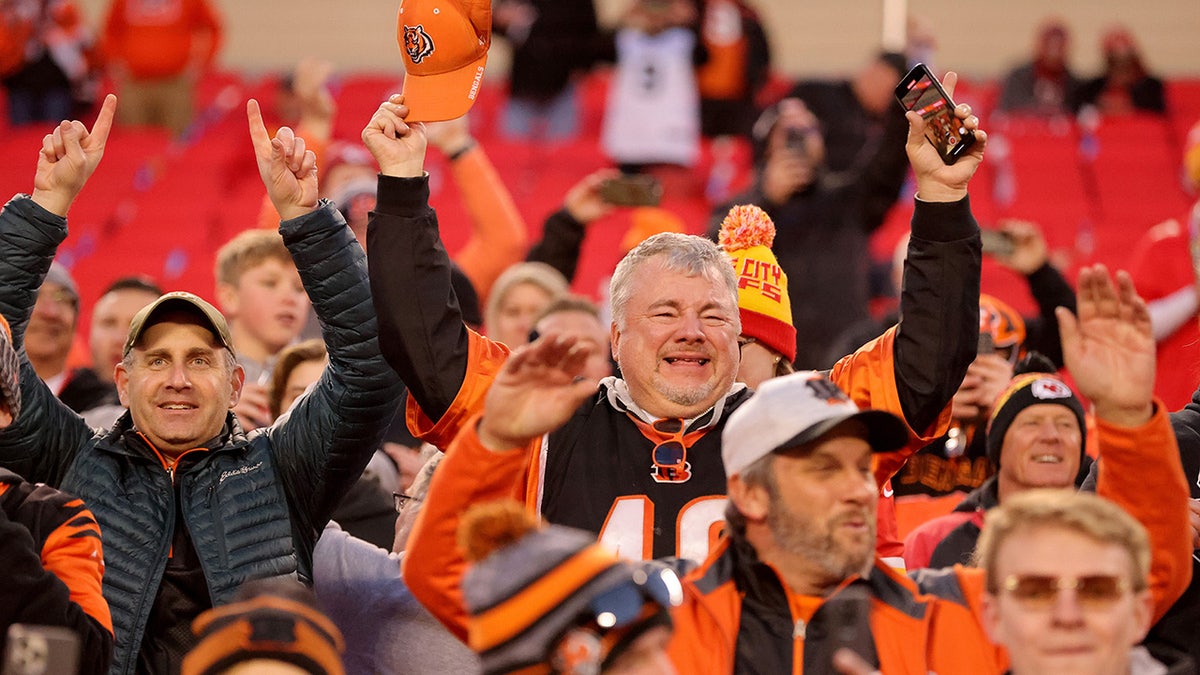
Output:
(417, 43)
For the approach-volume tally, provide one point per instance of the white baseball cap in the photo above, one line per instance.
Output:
(794, 409)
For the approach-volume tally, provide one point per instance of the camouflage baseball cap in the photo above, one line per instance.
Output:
(182, 301)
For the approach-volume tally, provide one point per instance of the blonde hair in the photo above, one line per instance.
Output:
(247, 250)
(537, 274)
(1080, 512)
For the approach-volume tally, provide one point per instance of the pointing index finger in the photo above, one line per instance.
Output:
(104, 120)
(258, 130)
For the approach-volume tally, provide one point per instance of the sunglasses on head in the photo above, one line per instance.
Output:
(1036, 589)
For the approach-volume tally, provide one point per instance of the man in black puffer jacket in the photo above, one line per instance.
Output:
(189, 505)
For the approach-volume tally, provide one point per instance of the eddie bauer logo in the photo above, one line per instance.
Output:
(238, 472)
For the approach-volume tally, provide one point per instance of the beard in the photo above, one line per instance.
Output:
(816, 542)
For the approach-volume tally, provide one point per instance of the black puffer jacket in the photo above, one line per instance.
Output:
(253, 504)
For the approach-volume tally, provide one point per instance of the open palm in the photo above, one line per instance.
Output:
(1109, 347)
(536, 391)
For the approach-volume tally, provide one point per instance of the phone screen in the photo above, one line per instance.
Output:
(996, 243)
(636, 190)
(920, 91)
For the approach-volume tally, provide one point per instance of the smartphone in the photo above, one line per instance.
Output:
(847, 619)
(41, 650)
(996, 243)
(632, 190)
(794, 141)
(920, 91)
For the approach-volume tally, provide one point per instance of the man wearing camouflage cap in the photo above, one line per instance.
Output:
(189, 504)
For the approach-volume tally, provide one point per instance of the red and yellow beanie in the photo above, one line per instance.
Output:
(747, 234)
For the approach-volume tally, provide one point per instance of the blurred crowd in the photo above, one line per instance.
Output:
(756, 448)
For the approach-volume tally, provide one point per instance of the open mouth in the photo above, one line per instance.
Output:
(687, 360)
(1047, 459)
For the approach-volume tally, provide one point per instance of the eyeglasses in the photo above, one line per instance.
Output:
(399, 500)
(743, 341)
(1042, 590)
(670, 456)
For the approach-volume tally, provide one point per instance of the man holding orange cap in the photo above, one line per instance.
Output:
(445, 45)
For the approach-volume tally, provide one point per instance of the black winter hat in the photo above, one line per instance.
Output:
(1024, 390)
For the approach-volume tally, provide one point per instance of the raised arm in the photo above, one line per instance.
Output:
(939, 298)
(41, 441)
(328, 437)
(420, 322)
(1109, 351)
(936, 340)
(1049, 288)
(564, 230)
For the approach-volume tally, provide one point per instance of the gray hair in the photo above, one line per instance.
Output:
(757, 473)
(684, 253)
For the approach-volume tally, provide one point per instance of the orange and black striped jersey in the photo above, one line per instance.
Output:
(53, 563)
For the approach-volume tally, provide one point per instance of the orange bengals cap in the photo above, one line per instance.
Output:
(445, 45)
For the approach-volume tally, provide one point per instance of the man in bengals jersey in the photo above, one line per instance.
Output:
(638, 463)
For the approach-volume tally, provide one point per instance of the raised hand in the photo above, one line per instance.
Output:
(398, 148)
(287, 168)
(69, 156)
(583, 200)
(937, 182)
(310, 82)
(536, 391)
(450, 136)
(1029, 247)
(1109, 347)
